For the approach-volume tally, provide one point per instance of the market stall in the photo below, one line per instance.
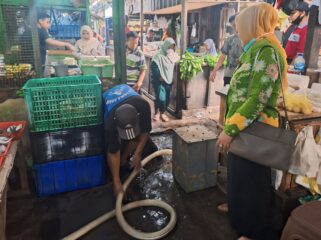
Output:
(20, 49)
(196, 91)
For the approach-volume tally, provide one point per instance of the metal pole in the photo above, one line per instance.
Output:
(119, 40)
(142, 24)
(184, 26)
(88, 14)
(35, 37)
(3, 39)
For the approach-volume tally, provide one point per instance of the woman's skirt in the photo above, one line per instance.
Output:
(249, 197)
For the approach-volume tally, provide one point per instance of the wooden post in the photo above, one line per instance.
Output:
(184, 27)
(119, 40)
(142, 24)
(313, 42)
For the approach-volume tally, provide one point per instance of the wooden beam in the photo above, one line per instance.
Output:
(184, 27)
(219, 1)
(142, 24)
(313, 39)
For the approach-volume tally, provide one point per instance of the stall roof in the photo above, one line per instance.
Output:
(178, 8)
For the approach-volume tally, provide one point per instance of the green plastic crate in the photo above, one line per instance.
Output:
(100, 67)
(65, 102)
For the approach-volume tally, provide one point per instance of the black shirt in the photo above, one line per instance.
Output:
(113, 142)
(43, 36)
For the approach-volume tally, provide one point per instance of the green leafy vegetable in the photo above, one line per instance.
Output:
(212, 60)
(190, 66)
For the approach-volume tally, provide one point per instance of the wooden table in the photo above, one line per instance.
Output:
(5, 170)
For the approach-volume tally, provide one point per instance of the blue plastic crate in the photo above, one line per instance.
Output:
(69, 175)
(65, 31)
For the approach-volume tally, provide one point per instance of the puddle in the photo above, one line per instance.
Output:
(156, 181)
(163, 141)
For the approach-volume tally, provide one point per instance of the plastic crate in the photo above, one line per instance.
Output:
(65, 102)
(69, 175)
(65, 31)
(97, 66)
(67, 144)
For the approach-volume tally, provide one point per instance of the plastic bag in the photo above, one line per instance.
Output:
(162, 93)
(310, 155)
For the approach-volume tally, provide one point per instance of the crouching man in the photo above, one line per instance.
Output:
(127, 121)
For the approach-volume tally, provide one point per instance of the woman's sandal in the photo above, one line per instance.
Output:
(156, 117)
(223, 207)
(164, 118)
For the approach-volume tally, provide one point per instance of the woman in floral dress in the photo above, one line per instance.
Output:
(254, 89)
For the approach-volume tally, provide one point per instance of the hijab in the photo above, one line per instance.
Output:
(211, 46)
(259, 22)
(91, 46)
(165, 63)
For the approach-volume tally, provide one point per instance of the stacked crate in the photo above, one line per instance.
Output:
(66, 132)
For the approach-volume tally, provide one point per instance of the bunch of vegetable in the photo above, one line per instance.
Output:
(190, 66)
(212, 60)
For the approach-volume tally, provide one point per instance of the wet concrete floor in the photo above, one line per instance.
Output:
(32, 218)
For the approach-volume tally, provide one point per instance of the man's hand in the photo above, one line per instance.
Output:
(136, 162)
(213, 75)
(137, 86)
(70, 47)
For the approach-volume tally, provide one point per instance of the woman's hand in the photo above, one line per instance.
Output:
(224, 142)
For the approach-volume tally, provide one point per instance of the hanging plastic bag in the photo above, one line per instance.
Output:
(193, 32)
(162, 93)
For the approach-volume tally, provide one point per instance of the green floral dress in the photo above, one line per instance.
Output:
(254, 89)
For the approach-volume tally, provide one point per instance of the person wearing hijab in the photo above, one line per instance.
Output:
(210, 47)
(254, 90)
(162, 71)
(88, 45)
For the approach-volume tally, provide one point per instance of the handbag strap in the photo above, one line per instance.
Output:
(287, 122)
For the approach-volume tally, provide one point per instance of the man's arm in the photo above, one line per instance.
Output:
(143, 138)
(57, 43)
(217, 66)
(140, 80)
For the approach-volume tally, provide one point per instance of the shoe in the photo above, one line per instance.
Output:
(164, 118)
(223, 207)
(244, 238)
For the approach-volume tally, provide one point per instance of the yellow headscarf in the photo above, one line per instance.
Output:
(259, 21)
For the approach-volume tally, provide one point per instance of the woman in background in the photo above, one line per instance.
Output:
(210, 47)
(88, 45)
(253, 93)
(162, 71)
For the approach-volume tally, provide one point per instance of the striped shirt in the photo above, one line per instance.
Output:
(135, 63)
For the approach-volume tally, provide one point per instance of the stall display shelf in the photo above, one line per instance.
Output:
(100, 67)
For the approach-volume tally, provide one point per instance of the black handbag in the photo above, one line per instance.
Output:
(267, 145)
